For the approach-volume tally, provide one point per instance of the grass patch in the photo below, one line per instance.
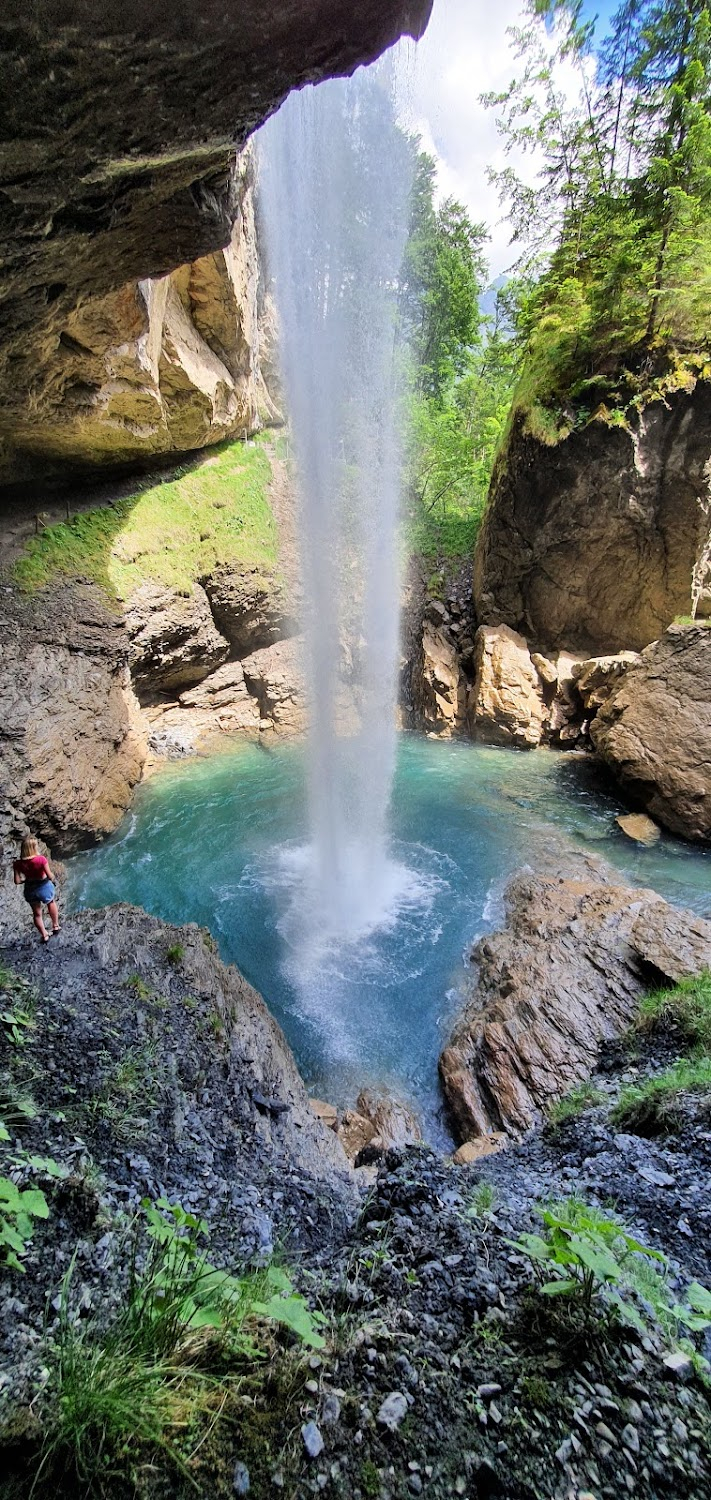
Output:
(656, 1105)
(171, 534)
(583, 1096)
(144, 1391)
(686, 1007)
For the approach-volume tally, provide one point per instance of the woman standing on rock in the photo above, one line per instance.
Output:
(32, 870)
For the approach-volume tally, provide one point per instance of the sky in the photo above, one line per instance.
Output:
(466, 52)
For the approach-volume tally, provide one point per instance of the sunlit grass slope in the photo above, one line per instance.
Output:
(170, 533)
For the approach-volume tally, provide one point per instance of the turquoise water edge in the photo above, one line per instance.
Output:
(221, 841)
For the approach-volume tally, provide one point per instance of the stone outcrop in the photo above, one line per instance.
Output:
(174, 642)
(121, 123)
(249, 610)
(654, 731)
(274, 676)
(592, 544)
(379, 1122)
(439, 685)
(596, 678)
(71, 744)
(506, 705)
(157, 366)
(563, 976)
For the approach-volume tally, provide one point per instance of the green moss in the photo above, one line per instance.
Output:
(171, 533)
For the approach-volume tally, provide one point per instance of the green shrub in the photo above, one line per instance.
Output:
(656, 1105)
(146, 1381)
(175, 954)
(590, 1258)
(18, 1208)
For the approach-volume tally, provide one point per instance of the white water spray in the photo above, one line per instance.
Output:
(335, 179)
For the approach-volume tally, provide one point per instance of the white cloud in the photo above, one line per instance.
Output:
(464, 53)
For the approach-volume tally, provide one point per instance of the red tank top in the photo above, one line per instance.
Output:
(34, 868)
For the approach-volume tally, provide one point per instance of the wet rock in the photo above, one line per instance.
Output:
(679, 1365)
(506, 704)
(639, 827)
(654, 732)
(562, 977)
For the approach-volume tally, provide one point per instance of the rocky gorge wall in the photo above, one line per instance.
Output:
(121, 124)
(591, 545)
(157, 366)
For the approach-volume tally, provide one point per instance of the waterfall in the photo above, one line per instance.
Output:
(335, 175)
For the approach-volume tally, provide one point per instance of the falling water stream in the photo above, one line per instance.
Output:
(334, 182)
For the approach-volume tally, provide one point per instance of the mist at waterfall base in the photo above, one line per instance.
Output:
(334, 182)
(220, 842)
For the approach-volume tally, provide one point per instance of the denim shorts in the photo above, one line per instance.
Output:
(38, 890)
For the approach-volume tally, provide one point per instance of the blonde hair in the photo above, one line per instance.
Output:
(28, 848)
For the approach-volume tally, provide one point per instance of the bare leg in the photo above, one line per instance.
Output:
(54, 914)
(39, 924)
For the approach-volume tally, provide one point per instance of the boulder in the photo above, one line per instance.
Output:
(506, 705)
(481, 1146)
(174, 642)
(72, 746)
(639, 827)
(274, 677)
(394, 1123)
(248, 609)
(135, 182)
(355, 1132)
(564, 975)
(592, 542)
(596, 677)
(438, 683)
(654, 731)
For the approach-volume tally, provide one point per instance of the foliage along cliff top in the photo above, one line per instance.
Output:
(620, 313)
(173, 532)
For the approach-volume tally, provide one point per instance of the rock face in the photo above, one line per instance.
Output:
(506, 704)
(69, 758)
(439, 686)
(174, 640)
(119, 136)
(654, 731)
(564, 975)
(274, 676)
(251, 612)
(156, 366)
(592, 544)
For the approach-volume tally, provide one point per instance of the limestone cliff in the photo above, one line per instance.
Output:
(157, 366)
(121, 122)
(592, 544)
